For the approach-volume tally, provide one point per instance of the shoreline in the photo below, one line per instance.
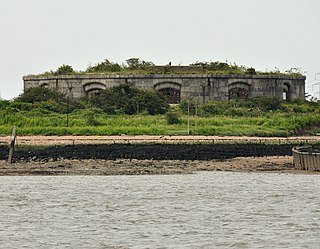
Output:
(98, 167)
(40, 140)
(143, 155)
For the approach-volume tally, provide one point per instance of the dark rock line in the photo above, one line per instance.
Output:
(148, 151)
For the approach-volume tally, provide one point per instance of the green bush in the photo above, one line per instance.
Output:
(237, 112)
(91, 119)
(251, 71)
(126, 99)
(190, 107)
(266, 103)
(136, 63)
(212, 108)
(105, 66)
(64, 69)
(38, 94)
(4, 104)
(173, 118)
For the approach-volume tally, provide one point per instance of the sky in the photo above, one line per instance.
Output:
(41, 35)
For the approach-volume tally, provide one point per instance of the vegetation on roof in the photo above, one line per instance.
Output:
(138, 66)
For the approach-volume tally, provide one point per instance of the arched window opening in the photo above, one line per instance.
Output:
(93, 93)
(171, 90)
(45, 85)
(238, 93)
(286, 92)
(284, 95)
(93, 88)
(172, 95)
(239, 90)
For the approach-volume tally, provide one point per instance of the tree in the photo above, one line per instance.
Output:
(153, 102)
(64, 69)
(136, 63)
(105, 66)
(44, 99)
(38, 94)
(251, 70)
(127, 99)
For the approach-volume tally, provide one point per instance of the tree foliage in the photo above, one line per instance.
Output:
(108, 66)
(64, 69)
(136, 63)
(44, 99)
(129, 100)
(237, 107)
(104, 66)
(222, 67)
(38, 94)
(173, 118)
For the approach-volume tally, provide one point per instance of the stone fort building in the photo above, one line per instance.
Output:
(178, 86)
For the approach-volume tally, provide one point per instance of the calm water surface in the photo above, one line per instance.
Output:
(202, 210)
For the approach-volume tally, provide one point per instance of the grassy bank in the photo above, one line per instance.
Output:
(82, 123)
(126, 110)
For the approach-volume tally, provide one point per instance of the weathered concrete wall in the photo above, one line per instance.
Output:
(205, 86)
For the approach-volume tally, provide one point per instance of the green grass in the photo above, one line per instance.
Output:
(272, 124)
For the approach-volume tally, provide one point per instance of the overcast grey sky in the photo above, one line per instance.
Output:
(41, 35)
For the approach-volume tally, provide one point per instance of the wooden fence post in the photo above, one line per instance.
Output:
(11, 149)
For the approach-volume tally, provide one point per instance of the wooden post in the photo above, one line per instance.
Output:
(11, 149)
(188, 117)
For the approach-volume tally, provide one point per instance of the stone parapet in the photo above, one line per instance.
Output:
(123, 76)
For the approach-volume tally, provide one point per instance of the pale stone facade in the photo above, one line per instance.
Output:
(179, 86)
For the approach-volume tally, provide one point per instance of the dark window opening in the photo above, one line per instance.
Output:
(238, 93)
(173, 95)
(286, 94)
(93, 93)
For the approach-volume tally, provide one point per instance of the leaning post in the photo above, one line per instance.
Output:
(12, 142)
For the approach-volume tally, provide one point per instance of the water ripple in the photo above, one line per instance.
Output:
(203, 210)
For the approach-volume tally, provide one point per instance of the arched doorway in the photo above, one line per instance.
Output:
(93, 88)
(173, 95)
(238, 90)
(286, 92)
(171, 90)
(45, 85)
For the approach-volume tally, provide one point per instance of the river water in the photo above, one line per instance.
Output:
(201, 210)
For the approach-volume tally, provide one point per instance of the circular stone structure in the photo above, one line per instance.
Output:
(307, 157)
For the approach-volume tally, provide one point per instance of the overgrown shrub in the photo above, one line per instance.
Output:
(104, 66)
(126, 99)
(38, 94)
(212, 108)
(64, 69)
(153, 102)
(91, 119)
(190, 107)
(136, 63)
(173, 118)
(251, 71)
(237, 112)
(266, 104)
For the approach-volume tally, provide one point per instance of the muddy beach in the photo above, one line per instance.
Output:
(96, 156)
(144, 167)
